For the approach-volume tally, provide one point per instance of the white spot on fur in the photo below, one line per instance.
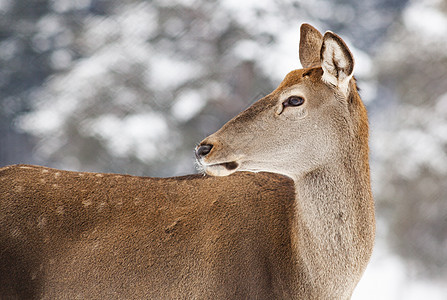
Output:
(101, 206)
(87, 202)
(57, 174)
(44, 171)
(26, 167)
(5, 168)
(41, 222)
(99, 175)
(81, 174)
(96, 245)
(119, 203)
(60, 210)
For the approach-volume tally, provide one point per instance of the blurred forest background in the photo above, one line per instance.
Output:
(131, 87)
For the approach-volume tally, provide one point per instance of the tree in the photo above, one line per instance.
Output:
(411, 142)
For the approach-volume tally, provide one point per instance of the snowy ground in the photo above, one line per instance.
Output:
(386, 279)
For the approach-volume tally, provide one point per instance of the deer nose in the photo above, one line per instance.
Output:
(203, 150)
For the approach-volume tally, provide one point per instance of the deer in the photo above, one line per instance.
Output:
(282, 209)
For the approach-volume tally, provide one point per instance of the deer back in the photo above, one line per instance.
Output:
(89, 235)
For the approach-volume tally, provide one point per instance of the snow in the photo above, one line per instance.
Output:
(98, 32)
(42, 122)
(136, 134)
(177, 2)
(425, 18)
(363, 65)
(386, 278)
(8, 49)
(319, 9)
(281, 58)
(138, 22)
(415, 138)
(92, 69)
(188, 104)
(61, 59)
(49, 25)
(261, 17)
(167, 73)
(248, 5)
(441, 106)
(62, 6)
(246, 49)
(277, 59)
(5, 5)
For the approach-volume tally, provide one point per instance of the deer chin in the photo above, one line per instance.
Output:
(220, 169)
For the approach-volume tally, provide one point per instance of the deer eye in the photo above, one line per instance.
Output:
(293, 101)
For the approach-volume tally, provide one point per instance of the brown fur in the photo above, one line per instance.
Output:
(97, 236)
(306, 235)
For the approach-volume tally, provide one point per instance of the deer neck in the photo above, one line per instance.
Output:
(335, 222)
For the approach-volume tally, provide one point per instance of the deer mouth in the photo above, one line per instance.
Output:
(230, 166)
(220, 169)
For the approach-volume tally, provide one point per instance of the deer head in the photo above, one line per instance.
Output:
(311, 120)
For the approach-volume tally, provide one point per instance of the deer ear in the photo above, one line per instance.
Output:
(337, 62)
(310, 45)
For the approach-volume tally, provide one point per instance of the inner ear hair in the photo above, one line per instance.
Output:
(337, 62)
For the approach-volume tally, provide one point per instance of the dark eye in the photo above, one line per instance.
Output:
(294, 101)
